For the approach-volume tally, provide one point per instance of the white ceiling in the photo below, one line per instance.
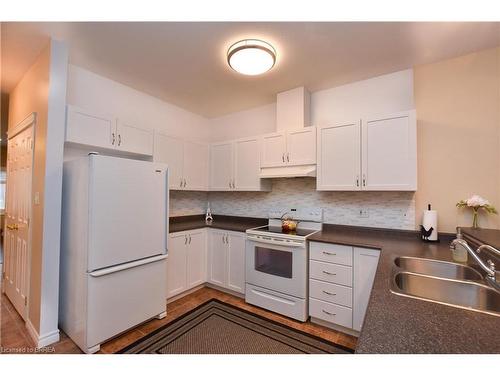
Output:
(185, 63)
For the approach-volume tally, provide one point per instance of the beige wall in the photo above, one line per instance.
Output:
(458, 112)
(31, 95)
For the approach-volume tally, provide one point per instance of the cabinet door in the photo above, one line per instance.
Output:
(171, 152)
(301, 146)
(221, 166)
(389, 152)
(196, 258)
(217, 258)
(133, 139)
(87, 128)
(273, 152)
(247, 164)
(176, 264)
(196, 166)
(339, 157)
(236, 262)
(365, 266)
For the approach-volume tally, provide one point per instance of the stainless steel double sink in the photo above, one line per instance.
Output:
(447, 283)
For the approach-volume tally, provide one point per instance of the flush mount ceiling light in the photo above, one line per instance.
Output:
(251, 56)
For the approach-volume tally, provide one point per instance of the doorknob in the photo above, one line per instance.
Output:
(12, 227)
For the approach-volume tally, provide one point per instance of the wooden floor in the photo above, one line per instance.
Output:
(15, 338)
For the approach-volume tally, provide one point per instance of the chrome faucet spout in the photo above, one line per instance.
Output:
(488, 267)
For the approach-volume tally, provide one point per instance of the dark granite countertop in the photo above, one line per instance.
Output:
(397, 324)
(393, 324)
(487, 236)
(234, 223)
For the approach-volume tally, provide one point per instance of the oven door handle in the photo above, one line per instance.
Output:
(277, 243)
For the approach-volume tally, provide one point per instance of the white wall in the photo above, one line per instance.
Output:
(384, 94)
(389, 93)
(102, 95)
(260, 120)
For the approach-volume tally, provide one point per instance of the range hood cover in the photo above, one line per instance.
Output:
(288, 171)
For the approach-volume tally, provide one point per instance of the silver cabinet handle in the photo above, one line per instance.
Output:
(185, 239)
(357, 181)
(234, 184)
(327, 253)
(223, 238)
(113, 139)
(364, 180)
(329, 273)
(119, 139)
(288, 157)
(328, 293)
(189, 239)
(283, 157)
(180, 183)
(329, 313)
(230, 184)
(185, 183)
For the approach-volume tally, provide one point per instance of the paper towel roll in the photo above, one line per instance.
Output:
(429, 221)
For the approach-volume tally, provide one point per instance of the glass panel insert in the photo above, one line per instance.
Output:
(274, 262)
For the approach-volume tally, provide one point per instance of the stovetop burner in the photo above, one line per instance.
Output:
(298, 232)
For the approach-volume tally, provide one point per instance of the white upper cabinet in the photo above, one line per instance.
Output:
(196, 157)
(85, 128)
(133, 139)
(235, 166)
(221, 166)
(273, 152)
(90, 129)
(389, 152)
(187, 162)
(301, 146)
(247, 166)
(170, 151)
(290, 148)
(339, 156)
(374, 153)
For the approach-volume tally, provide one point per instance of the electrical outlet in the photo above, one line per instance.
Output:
(363, 212)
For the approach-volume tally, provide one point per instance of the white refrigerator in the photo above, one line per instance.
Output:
(113, 247)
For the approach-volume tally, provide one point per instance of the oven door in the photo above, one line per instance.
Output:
(277, 267)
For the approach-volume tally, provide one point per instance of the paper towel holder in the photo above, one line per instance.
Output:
(425, 234)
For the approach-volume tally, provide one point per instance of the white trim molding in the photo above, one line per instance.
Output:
(18, 128)
(43, 340)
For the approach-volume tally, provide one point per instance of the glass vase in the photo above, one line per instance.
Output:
(475, 218)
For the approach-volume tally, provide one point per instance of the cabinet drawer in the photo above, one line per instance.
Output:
(330, 312)
(333, 273)
(331, 253)
(329, 292)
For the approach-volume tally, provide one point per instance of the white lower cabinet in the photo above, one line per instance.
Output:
(186, 262)
(365, 267)
(341, 280)
(226, 259)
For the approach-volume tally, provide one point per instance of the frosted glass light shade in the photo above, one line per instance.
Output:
(251, 57)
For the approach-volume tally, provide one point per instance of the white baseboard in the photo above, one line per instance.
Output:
(42, 340)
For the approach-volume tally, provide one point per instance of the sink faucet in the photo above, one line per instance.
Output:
(488, 267)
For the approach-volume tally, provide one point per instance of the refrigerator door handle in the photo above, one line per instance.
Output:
(125, 266)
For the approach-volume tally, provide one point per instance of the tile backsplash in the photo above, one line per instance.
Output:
(381, 209)
(184, 203)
